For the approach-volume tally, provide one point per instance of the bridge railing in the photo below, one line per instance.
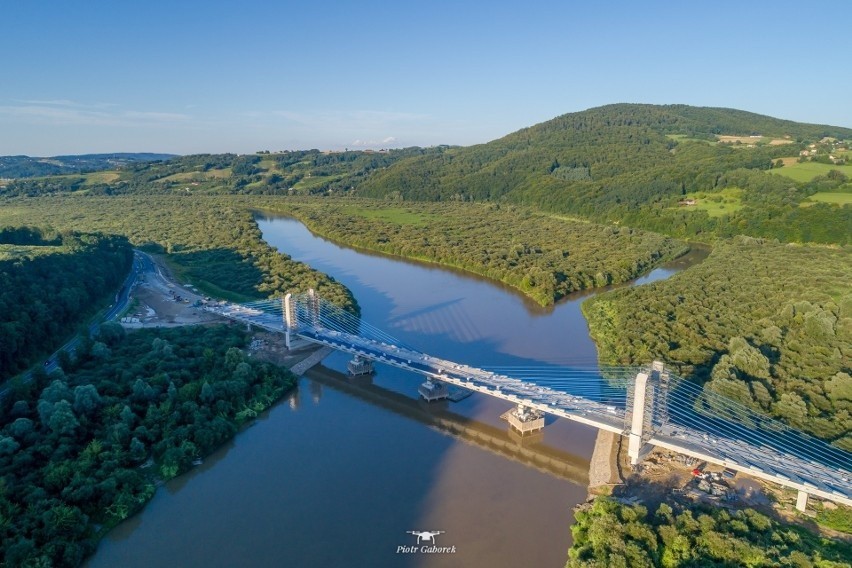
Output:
(673, 407)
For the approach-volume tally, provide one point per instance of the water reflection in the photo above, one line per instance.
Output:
(338, 472)
(528, 449)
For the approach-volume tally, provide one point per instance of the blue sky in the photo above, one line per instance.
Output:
(217, 76)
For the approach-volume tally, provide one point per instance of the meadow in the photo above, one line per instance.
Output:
(829, 197)
(806, 171)
(716, 204)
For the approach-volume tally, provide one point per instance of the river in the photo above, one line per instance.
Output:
(337, 474)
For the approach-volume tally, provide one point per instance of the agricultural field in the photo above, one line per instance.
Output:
(107, 176)
(716, 204)
(395, 215)
(14, 252)
(312, 182)
(806, 171)
(223, 173)
(88, 179)
(746, 140)
(829, 197)
(686, 138)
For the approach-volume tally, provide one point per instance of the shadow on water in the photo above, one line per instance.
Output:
(528, 450)
(340, 471)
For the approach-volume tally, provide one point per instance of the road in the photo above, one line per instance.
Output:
(790, 459)
(142, 263)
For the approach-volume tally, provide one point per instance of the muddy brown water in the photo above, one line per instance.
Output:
(341, 471)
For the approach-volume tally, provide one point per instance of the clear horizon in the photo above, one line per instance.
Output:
(228, 77)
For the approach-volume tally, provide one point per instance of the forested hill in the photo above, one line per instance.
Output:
(687, 172)
(26, 166)
(633, 164)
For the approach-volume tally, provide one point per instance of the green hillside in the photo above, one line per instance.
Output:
(27, 166)
(632, 164)
(688, 172)
(302, 172)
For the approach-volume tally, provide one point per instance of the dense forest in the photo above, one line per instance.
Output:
(213, 243)
(48, 283)
(544, 257)
(612, 535)
(83, 448)
(767, 324)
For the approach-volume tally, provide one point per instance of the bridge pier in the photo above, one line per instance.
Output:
(525, 419)
(801, 501)
(360, 366)
(433, 390)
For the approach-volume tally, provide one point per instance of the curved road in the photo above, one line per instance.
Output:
(142, 263)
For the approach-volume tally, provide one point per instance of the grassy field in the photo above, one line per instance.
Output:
(829, 197)
(746, 140)
(686, 138)
(224, 173)
(395, 215)
(269, 165)
(315, 181)
(106, 176)
(12, 252)
(716, 204)
(806, 171)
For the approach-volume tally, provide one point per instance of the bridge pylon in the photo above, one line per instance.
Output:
(291, 322)
(313, 307)
(647, 410)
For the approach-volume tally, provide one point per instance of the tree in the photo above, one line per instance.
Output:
(62, 419)
(86, 399)
(100, 351)
(137, 450)
(111, 333)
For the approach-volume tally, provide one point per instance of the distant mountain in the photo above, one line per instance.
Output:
(25, 166)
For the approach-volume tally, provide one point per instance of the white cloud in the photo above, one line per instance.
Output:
(385, 142)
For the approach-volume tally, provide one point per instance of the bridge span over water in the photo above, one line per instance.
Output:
(649, 405)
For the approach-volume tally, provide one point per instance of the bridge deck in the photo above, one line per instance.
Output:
(759, 461)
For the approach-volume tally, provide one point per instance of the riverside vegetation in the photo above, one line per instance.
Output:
(82, 449)
(612, 535)
(544, 257)
(762, 321)
(215, 244)
(767, 324)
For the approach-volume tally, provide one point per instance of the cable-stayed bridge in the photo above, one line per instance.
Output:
(649, 405)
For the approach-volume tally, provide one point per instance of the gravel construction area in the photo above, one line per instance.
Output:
(159, 302)
(602, 465)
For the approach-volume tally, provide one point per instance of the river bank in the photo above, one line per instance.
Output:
(603, 467)
(538, 255)
(340, 453)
